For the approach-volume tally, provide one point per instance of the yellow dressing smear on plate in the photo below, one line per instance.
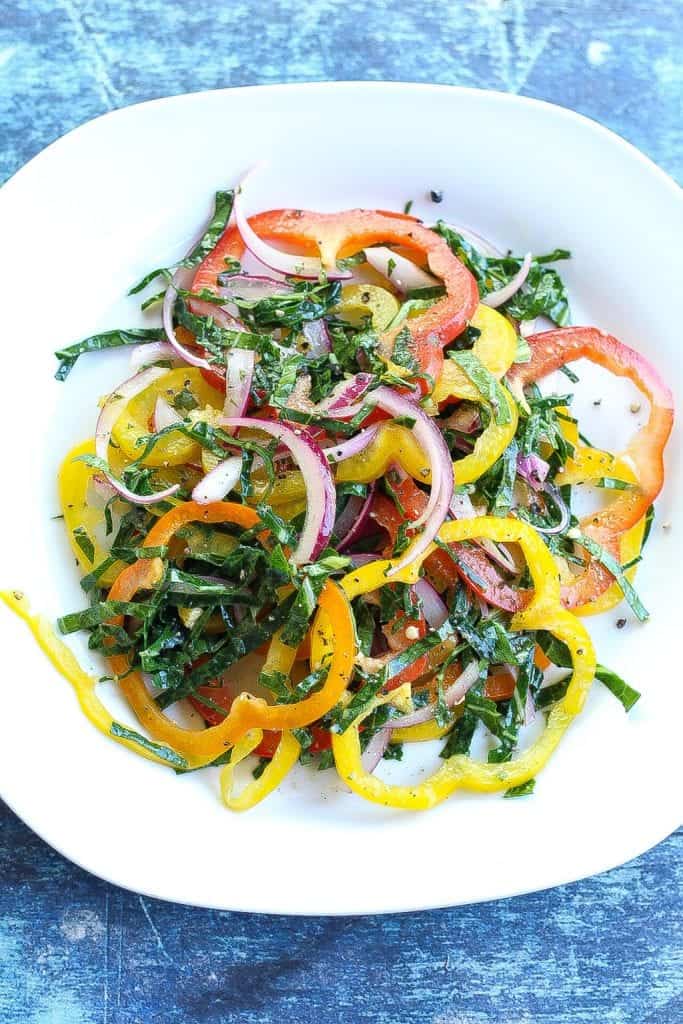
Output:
(66, 663)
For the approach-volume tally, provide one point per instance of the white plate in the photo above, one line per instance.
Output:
(125, 193)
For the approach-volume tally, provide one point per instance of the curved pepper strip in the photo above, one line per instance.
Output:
(254, 792)
(334, 234)
(495, 348)
(645, 450)
(66, 663)
(247, 712)
(544, 611)
(588, 465)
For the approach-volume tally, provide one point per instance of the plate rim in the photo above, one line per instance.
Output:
(399, 904)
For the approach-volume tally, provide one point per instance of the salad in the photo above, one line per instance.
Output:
(329, 513)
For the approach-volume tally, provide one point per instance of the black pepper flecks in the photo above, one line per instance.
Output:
(436, 195)
(621, 623)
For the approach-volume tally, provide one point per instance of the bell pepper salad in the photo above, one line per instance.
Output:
(330, 511)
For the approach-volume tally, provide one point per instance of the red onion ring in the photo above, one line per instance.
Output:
(164, 415)
(219, 481)
(346, 393)
(317, 337)
(181, 279)
(532, 469)
(404, 274)
(239, 372)
(352, 446)
(110, 412)
(374, 752)
(454, 695)
(320, 492)
(560, 504)
(253, 287)
(501, 295)
(435, 610)
(153, 352)
(351, 526)
(295, 266)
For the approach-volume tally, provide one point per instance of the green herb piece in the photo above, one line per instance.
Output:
(163, 752)
(524, 789)
(80, 535)
(612, 565)
(99, 342)
(485, 383)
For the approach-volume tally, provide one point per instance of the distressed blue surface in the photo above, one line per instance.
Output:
(74, 950)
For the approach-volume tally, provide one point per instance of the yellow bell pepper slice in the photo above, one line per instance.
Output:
(73, 481)
(588, 465)
(495, 348)
(544, 611)
(66, 663)
(134, 421)
(359, 301)
(254, 792)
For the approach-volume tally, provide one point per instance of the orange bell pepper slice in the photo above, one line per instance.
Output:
(247, 712)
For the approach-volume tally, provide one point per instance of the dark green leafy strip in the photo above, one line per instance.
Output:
(616, 685)
(552, 694)
(543, 293)
(558, 653)
(522, 790)
(100, 613)
(484, 381)
(502, 501)
(610, 483)
(165, 753)
(90, 581)
(610, 563)
(222, 211)
(240, 641)
(84, 542)
(343, 716)
(99, 342)
(649, 520)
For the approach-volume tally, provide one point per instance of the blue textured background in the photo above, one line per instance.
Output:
(74, 950)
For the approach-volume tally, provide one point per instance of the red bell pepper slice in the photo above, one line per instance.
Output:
(347, 232)
(645, 450)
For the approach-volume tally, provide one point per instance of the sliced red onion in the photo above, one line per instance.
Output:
(320, 492)
(461, 506)
(164, 415)
(103, 486)
(501, 295)
(239, 372)
(352, 521)
(401, 272)
(362, 558)
(528, 327)
(181, 279)
(352, 446)
(454, 695)
(430, 439)
(252, 287)
(219, 481)
(346, 394)
(153, 352)
(435, 610)
(478, 241)
(497, 553)
(374, 752)
(529, 709)
(532, 469)
(317, 337)
(109, 414)
(562, 508)
(285, 263)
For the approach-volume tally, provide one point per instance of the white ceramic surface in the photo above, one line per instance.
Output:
(124, 193)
